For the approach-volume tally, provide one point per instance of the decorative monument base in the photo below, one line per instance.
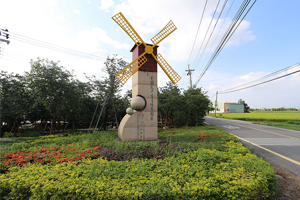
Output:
(141, 125)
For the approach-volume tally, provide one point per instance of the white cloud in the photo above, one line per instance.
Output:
(93, 39)
(76, 12)
(177, 46)
(247, 76)
(106, 4)
(241, 35)
(276, 93)
(88, 2)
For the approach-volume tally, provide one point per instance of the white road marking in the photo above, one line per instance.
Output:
(231, 127)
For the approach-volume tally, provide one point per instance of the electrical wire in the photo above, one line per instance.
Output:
(60, 47)
(231, 25)
(264, 77)
(198, 63)
(260, 83)
(25, 59)
(200, 22)
(207, 31)
(53, 47)
(197, 31)
(57, 49)
(199, 60)
(212, 96)
(230, 31)
(13, 60)
(5, 54)
(13, 53)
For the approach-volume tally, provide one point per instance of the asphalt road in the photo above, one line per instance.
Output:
(278, 146)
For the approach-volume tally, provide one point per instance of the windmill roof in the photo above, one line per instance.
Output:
(136, 45)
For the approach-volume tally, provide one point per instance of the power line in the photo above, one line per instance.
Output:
(212, 96)
(57, 49)
(232, 24)
(200, 22)
(272, 74)
(4, 52)
(225, 2)
(14, 60)
(198, 30)
(53, 47)
(198, 63)
(7, 54)
(226, 35)
(260, 83)
(231, 29)
(207, 31)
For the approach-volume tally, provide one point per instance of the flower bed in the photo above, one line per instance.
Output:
(213, 166)
(200, 174)
(49, 155)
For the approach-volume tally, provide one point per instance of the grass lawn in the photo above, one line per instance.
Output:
(294, 125)
(190, 163)
(282, 119)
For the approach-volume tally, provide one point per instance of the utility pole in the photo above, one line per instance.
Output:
(190, 74)
(216, 103)
(4, 33)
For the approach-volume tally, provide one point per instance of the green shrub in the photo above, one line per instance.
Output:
(293, 122)
(198, 174)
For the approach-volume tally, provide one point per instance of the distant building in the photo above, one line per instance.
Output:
(228, 107)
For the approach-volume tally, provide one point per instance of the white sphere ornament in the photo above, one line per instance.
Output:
(129, 111)
(138, 103)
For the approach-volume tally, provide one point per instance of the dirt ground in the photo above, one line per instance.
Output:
(288, 185)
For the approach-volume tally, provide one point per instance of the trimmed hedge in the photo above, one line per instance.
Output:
(200, 174)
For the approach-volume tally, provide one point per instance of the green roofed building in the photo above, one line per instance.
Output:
(228, 107)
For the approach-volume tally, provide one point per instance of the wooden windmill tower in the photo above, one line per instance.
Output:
(141, 124)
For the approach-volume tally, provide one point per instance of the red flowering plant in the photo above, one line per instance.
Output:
(203, 136)
(54, 155)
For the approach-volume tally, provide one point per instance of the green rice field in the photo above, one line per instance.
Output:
(262, 116)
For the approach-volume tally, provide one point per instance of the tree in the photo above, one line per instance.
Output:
(51, 86)
(169, 102)
(108, 90)
(196, 105)
(246, 107)
(187, 108)
(14, 100)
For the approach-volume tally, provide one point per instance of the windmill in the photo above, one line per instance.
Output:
(141, 124)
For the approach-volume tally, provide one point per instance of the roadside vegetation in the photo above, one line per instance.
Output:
(50, 99)
(294, 125)
(282, 119)
(201, 162)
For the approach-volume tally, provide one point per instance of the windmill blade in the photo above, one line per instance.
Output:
(127, 72)
(167, 30)
(126, 26)
(173, 76)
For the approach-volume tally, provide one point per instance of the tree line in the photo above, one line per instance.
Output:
(49, 92)
(275, 109)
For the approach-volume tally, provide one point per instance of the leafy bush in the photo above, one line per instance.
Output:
(191, 163)
(293, 122)
(202, 173)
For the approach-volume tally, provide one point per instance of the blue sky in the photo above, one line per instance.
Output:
(266, 41)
